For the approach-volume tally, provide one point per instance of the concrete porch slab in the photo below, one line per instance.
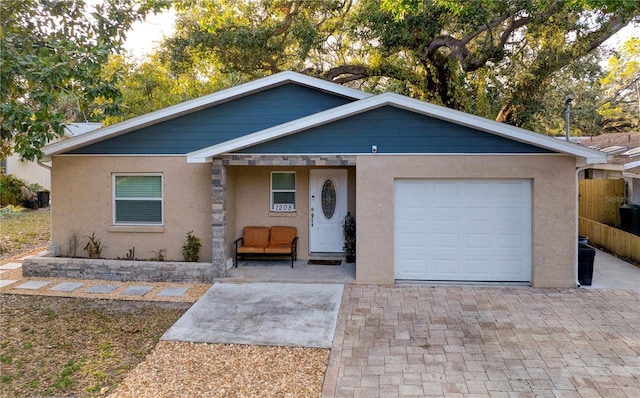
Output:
(276, 314)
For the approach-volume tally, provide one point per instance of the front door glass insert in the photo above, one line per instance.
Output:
(328, 198)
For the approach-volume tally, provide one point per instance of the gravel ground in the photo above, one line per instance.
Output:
(222, 370)
(191, 296)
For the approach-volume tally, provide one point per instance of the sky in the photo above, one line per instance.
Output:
(145, 35)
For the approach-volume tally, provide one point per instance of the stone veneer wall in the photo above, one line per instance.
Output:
(219, 183)
(117, 270)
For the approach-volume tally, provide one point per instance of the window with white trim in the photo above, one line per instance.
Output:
(283, 191)
(137, 199)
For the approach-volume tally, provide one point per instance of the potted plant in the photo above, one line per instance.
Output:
(349, 232)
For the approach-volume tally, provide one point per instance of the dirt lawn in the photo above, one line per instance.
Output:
(55, 346)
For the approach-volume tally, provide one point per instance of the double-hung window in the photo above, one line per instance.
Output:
(283, 191)
(137, 199)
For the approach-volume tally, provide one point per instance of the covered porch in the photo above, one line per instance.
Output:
(242, 196)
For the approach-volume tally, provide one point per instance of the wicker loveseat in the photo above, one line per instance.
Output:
(264, 241)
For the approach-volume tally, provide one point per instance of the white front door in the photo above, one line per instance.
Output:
(327, 208)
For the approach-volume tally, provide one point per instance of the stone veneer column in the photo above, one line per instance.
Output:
(219, 217)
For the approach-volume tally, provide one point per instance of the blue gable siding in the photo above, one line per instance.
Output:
(392, 130)
(221, 122)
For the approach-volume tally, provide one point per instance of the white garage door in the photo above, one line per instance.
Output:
(463, 230)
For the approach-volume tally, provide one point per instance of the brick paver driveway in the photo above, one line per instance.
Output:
(465, 341)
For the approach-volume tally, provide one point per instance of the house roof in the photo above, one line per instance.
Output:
(197, 104)
(624, 148)
(403, 102)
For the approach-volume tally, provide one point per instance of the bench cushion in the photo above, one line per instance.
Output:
(251, 250)
(277, 250)
(282, 236)
(255, 237)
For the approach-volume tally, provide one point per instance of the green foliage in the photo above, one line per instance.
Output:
(64, 380)
(191, 248)
(11, 190)
(349, 233)
(621, 109)
(497, 59)
(15, 192)
(151, 85)
(51, 56)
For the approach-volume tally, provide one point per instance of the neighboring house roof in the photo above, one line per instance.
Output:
(623, 147)
(75, 129)
(199, 104)
(406, 103)
(112, 139)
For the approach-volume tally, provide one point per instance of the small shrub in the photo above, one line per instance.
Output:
(94, 246)
(131, 254)
(160, 255)
(191, 248)
(11, 190)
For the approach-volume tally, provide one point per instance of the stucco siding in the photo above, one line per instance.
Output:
(82, 203)
(553, 208)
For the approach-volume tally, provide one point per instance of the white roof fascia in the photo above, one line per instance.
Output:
(410, 104)
(200, 103)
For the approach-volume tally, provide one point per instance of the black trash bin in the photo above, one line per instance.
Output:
(630, 218)
(586, 256)
(43, 198)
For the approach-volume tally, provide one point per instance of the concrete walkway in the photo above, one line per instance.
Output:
(610, 272)
(276, 314)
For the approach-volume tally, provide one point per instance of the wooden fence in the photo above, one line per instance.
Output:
(599, 200)
(615, 240)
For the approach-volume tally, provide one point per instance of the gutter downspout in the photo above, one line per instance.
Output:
(39, 163)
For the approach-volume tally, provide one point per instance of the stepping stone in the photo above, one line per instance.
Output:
(11, 266)
(101, 289)
(33, 285)
(7, 282)
(173, 291)
(67, 286)
(137, 290)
